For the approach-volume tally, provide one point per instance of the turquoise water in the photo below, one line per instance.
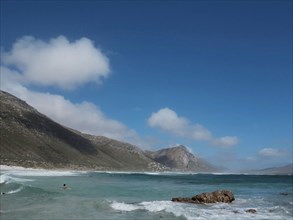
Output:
(91, 195)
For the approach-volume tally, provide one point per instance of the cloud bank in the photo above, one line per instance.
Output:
(269, 157)
(274, 153)
(168, 121)
(66, 65)
(56, 63)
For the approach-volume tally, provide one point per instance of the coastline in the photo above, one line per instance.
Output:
(40, 169)
(60, 171)
(72, 171)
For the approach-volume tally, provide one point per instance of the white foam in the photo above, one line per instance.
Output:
(14, 191)
(6, 178)
(15, 174)
(44, 173)
(152, 206)
(191, 212)
(129, 172)
(3, 179)
(21, 171)
(121, 206)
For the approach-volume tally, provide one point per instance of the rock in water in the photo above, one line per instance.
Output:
(250, 211)
(185, 200)
(212, 197)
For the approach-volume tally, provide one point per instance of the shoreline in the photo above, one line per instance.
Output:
(40, 169)
(66, 170)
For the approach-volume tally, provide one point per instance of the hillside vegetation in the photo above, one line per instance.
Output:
(31, 139)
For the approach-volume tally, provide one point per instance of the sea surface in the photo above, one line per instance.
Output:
(38, 194)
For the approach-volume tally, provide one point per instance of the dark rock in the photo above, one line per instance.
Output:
(284, 194)
(185, 200)
(250, 211)
(212, 197)
(217, 196)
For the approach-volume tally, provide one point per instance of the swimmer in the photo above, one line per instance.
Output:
(64, 186)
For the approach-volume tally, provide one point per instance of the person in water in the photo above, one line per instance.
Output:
(64, 186)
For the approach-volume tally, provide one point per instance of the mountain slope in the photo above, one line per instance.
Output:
(30, 139)
(179, 158)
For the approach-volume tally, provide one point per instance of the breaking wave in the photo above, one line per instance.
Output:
(14, 191)
(7, 178)
(211, 211)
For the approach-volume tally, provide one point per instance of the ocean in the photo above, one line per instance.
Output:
(39, 194)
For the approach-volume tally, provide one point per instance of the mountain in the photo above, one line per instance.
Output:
(179, 158)
(31, 139)
(283, 170)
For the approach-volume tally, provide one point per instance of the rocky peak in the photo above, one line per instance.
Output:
(180, 158)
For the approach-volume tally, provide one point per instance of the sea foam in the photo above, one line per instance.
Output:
(191, 212)
(14, 191)
(21, 171)
(6, 178)
(154, 206)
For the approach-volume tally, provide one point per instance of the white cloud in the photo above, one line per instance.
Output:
(85, 116)
(168, 121)
(273, 152)
(198, 132)
(226, 141)
(66, 65)
(56, 63)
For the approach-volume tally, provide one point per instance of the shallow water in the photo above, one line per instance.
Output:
(92, 195)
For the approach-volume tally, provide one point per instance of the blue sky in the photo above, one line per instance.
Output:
(215, 76)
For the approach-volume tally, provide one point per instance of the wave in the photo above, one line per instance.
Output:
(31, 191)
(177, 209)
(47, 173)
(167, 173)
(17, 175)
(129, 172)
(14, 191)
(40, 173)
(152, 206)
(6, 178)
(22, 171)
(210, 211)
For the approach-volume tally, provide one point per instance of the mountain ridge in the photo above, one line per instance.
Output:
(31, 139)
(281, 170)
